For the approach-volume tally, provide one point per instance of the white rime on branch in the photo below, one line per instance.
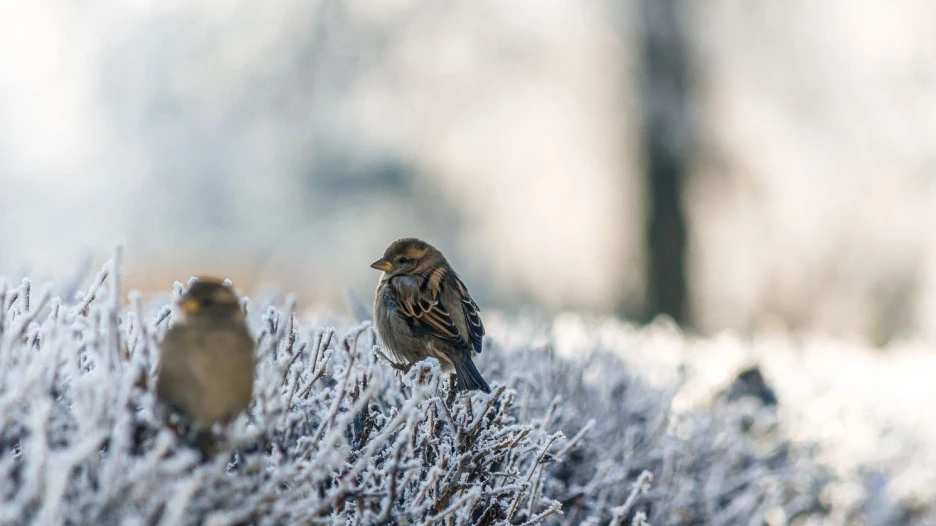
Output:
(336, 436)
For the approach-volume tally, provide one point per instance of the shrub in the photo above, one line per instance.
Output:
(336, 436)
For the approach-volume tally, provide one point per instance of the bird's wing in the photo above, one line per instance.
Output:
(472, 314)
(424, 310)
(176, 383)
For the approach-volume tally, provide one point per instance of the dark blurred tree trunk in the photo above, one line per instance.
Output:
(668, 137)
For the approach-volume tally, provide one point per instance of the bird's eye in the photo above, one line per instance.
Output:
(403, 260)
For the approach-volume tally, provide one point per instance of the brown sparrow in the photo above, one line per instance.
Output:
(207, 363)
(423, 309)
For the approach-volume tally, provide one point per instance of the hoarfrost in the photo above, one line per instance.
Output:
(336, 436)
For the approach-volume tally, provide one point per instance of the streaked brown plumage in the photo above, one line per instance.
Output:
(207, 362)
(423, 309)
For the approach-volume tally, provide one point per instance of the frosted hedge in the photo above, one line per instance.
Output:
(334, 436)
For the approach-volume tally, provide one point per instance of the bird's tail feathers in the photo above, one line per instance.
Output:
(468, 378)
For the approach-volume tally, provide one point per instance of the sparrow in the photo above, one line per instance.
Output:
(207, 363)
(423, 309)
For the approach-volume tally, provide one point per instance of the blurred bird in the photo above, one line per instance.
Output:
(751, 383)
(207, 363)
(423, 309)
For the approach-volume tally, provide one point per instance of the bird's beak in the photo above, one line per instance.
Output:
(382, 265)
(190, 305)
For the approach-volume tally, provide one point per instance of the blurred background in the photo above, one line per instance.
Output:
(732, 165)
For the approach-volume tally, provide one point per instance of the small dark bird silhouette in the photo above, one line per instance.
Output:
(751, 383)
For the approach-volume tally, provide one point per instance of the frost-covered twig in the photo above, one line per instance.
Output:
(638, 490)
(91, 295)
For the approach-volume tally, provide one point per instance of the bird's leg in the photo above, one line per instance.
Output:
(404, 368)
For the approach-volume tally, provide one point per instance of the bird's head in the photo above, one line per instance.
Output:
(408, 256)
(210, 299)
